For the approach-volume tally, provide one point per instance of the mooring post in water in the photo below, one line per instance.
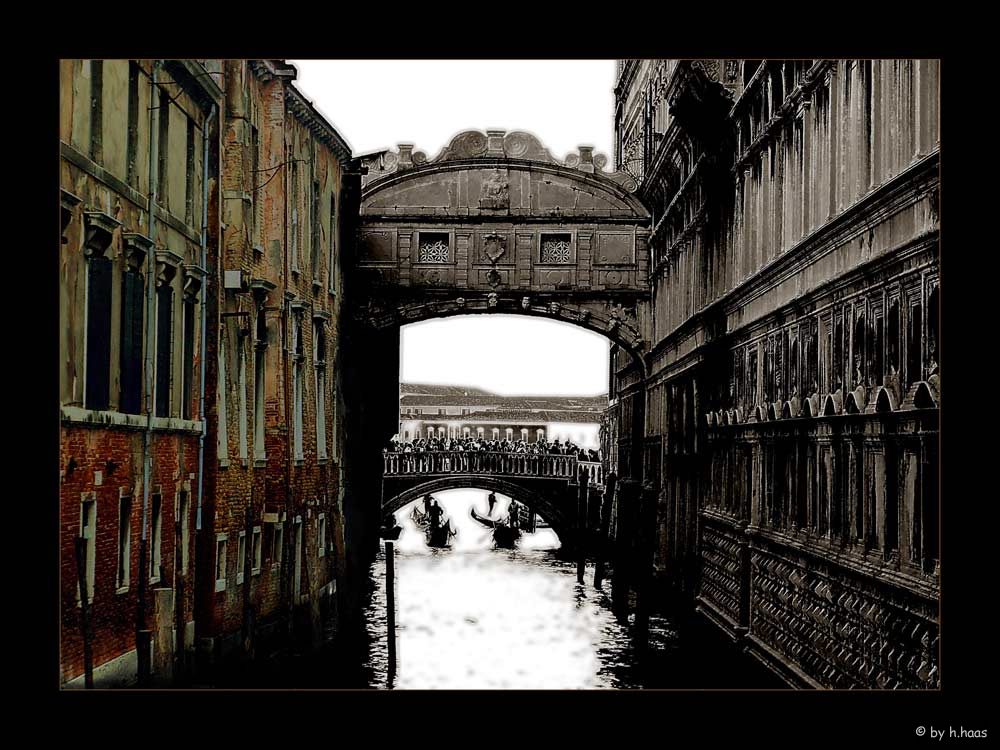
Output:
(602, 541)
(621, 582)
(390, 606)
(85, 622)
(583, 480)
(644, 568)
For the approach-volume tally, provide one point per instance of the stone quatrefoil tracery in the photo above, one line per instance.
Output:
(556, 251)
(434, 252)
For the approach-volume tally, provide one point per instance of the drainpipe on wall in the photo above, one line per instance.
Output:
(204, 315)
(204, 329)
(142, 634)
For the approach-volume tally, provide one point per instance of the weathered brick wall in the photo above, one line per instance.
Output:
(280, 486)
(108, 441)
(113, 612)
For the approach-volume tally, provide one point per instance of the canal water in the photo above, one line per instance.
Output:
(475, 617)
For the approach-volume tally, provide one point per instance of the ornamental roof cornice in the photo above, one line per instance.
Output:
(492, 146)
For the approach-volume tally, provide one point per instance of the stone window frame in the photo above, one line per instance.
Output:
(169, 267)
(99, 230)
(297, 354)
(123, 581)
(261, 289)
(241, 556)
(193, 279)
(88, 499)
(136, 249)
(320, 321)
(155, 535)
(256, 550)
(321, 535)
(450, 235)
(243, 425)
(277, 545)
(331, 271)
(541, 239)
(294, 222)
(222, 402)
(182, 514)
(221, 561)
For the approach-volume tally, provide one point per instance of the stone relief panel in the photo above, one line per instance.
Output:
(616, 279)
(555, 279)
(494, 248)
(423, 193)
(377, 245)
(500, 277)
(379, 275)
(432, 276)
(614, 248)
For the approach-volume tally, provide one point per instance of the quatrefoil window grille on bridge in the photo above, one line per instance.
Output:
(556, 251)
(434, 250)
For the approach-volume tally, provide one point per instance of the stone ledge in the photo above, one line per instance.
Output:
(94, 418)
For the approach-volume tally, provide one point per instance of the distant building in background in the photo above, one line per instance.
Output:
(460, 411)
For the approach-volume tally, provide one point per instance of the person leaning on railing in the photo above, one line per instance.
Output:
(421, 455)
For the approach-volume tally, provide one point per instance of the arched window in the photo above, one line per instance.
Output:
(539, 436)
(496, 433)
(524, 434)
(509, 433)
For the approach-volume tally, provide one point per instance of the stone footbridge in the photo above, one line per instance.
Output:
(549, 485)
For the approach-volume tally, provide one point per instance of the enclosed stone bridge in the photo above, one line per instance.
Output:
(563, 490)
(496, 224)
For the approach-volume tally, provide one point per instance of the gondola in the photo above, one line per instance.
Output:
(439, 537)
(505, 536)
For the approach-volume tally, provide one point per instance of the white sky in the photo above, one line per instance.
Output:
(507, 354)
(376, 104)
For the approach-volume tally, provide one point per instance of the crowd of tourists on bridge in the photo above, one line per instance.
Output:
(544, 448)
(474, 454)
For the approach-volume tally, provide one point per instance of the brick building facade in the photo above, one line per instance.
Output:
(132, 132)
(273, 524)
(201, 413)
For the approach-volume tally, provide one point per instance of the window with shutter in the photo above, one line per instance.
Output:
(98, 367)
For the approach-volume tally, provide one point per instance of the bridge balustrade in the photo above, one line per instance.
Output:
(490, 462)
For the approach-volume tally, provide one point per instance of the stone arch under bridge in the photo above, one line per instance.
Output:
(496, 224)
(554, 500)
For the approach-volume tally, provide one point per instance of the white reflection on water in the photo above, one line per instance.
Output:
(475, 617)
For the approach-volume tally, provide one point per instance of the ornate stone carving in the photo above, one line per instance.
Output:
(495, 192)
(492, 300)
(474, 144)
(494, 246)
(842, 632)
